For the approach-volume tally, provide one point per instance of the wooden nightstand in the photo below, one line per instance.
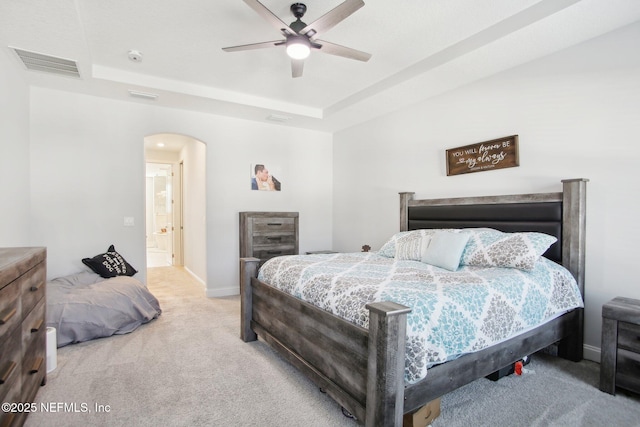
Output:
(620, 352)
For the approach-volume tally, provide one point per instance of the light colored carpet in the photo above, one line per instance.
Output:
(190, 368)
(554, 392)
(186, 368)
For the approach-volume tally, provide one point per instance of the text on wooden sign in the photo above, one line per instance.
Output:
(488, 155)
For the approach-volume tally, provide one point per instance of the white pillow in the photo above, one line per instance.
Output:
(412, 248)
(445, 250)
(390, 248)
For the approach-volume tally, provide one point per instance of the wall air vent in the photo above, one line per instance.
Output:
(49, 64)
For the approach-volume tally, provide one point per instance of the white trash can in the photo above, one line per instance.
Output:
(52, 349)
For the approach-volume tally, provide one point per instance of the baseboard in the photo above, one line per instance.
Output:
(214, 293)
(590, 352)
(198, 279)
(224, 292)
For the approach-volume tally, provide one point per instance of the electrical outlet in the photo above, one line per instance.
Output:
(128, 221)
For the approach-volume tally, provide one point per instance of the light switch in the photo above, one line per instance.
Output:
(128, 221)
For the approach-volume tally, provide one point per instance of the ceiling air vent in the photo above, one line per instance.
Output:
(48, 64)
(143, 95)
(278, 118)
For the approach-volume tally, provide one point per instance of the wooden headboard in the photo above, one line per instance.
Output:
(559, 214)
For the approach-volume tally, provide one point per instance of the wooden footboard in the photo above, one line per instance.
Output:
(362, 370)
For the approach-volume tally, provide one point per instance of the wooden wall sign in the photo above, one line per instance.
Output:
(489, 155)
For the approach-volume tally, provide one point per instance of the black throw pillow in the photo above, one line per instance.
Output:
(110, 264)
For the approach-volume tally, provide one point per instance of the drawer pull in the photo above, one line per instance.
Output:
(36, 366)
(274, 238)
(7, 372)
(35, 328)
(275, 224)
(274, 252)
(36, 288)
(8, 316)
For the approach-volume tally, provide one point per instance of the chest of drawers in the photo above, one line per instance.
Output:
(265, 235)
(22, 328)
(620, 348)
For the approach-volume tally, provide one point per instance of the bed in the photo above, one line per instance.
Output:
(363, 369)
(86, 306)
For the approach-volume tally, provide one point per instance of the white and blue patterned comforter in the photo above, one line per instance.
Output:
(453, 313)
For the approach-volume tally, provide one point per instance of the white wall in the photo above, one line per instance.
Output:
(195, 212)
(14, 154)
(578, 116)
(305, 160)
(87, 162)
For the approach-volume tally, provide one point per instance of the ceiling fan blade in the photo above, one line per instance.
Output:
(347, 52)
(331, 18)
(269, 16)
(252, 46)
(296, 67)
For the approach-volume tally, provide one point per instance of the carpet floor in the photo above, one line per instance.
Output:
(190, 368)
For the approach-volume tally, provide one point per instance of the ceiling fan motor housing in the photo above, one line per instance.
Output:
(298, 9)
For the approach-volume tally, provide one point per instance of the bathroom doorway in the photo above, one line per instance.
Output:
(182, 159)
(160, 219)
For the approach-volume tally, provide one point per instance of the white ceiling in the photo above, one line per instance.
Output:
(420, 48)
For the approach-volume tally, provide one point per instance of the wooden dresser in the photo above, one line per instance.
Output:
(22, 329)
(266, 235)
(620, 347)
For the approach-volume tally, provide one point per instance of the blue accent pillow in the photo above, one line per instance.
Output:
(445, 250)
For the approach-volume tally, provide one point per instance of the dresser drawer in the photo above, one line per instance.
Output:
(274, 240)
(34, 367)
(629, 337)
(34, 343)
(10, 366)
(628, 370)
(266, 253)
(274, 225)
(33, 286)
(34, 326)
(10, 309)
(14, 390)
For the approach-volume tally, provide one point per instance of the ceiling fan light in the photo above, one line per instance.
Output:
(298, 47)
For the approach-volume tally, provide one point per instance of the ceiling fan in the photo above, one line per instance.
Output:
(300, 38)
